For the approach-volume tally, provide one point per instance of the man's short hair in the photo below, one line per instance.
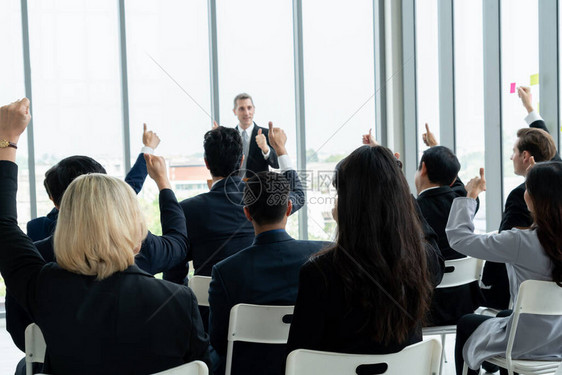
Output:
(537, 142)
(223, 151)
(59, 176)
(266, 196)
(441, 164)
(242, 96)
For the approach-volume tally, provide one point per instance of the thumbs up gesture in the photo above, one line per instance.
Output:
(277, 139)
(262, 142)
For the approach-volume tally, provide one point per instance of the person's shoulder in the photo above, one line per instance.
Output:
(517, 193)
(310, 244)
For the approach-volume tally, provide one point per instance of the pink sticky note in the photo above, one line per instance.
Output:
(512, 89)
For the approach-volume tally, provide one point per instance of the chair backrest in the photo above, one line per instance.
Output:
(257, 323)
(423, 358)
(461, 271)
(559, 371)
(200, 287)
(191, 368)
(534, 297)
(35, 347)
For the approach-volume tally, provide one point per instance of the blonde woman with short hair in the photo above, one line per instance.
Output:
(99, 313)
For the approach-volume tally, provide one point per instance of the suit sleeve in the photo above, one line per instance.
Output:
(20, 263)
(435, 260)
(516, 214)
(137, 175)
(272, 160)
(309, 319)
(219, 312)
(160, 253)
(296, 195)
(198, 339)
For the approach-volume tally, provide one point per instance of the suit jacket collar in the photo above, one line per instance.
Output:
(437, 191)
(230, 181)
(272, 236)
(135, 270)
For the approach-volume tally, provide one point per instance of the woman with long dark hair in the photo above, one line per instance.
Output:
(534, 253)
(369, 292)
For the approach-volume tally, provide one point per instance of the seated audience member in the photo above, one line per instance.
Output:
(265, 273)
(516, 215)
(95, 300)
(42, 227)
(531, 143)
(157, 254)
(528, 254)
(370, 291)
(216, 225)
(437, 185)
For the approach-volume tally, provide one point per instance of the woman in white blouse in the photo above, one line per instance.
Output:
(534, 253)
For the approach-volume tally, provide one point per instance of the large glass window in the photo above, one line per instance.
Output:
(469, 91)
(168, 66)
(520, 61)
(339, 88)
(76, 85)
(427, 68)
(255, 52)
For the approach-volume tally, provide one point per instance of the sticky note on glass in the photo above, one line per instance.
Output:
(535, 79)
(512, 88)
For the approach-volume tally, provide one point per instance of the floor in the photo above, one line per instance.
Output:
(10, 355)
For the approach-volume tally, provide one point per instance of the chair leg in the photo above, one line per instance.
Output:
(443, 360)
(464, 369)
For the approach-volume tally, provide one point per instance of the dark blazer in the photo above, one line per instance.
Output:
(515, 215)
(127, 323)
(325, 320)
(256, 163)
(157, 253)
(42, 227)
(448, 304)
(217, 226)
(265, 273)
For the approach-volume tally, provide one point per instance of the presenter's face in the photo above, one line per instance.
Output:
(245, 112)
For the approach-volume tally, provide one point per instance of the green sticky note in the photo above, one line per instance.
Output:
(538, 107)
(535, 79)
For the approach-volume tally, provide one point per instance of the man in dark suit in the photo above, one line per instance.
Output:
(437, 186)
(258, 155)
(216, 223)
(265, 273)
(531, 142)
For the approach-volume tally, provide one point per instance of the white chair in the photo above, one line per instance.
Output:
(200, 287)
(559, 371)
(35, 347)
(191, 368)
(457, 272)
(539, 298)
(257, 323)
(417, 359)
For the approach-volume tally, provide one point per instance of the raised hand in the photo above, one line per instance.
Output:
(476, 185)
(428, 137)
(368, 139)
(215, 125)
(156, 167)
(149, 138)
(277, 139)
(526, 97)
(262, 142)
(14, 118)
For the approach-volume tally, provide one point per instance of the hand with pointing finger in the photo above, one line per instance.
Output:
(526, 97)
(215, 125)
(149, 138)
(262, 142)
(368, 139)
(428, 137)
(277, 139)
(156, 167)
(476, 185)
